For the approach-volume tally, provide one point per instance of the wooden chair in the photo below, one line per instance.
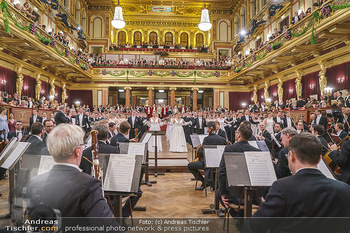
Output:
(205, 182)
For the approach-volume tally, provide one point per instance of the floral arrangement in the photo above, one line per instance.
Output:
(104, 72)
(326, 11)
(78, 61)
(67, 53)
(161, 53)
(243, 64)
(217, 74)
(52, 43)
(268, 48)
(32, 29)
(150, 72)
(254, 57)
(173, 73)
(287, 35)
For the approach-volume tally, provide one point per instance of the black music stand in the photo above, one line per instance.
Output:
(156, 133)
(214, 208)
(147, 181)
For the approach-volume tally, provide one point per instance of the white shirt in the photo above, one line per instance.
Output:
(34, 118)
(133, 121)
(200, 122)
(247, 117)
(81, 120)
(289, 122)
(44, 118)
(19, 135)
(318, 118)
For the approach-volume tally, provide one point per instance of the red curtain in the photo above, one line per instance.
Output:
(237, 98)
(260, 94)
(338, 76)
(58, 94)
(273, 92)
(83, 96)
(45, 89)
(7, 80)
(28, 86)
(289, 90)
(310, 85)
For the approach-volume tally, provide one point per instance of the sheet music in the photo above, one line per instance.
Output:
(147, 138)
(15, 154)
(195, 141)
(136, 149)
(212, 157)
(260, 168)
(221, 149)
(88, 141)
(120, 172)
(201, 137)
(254, 143)
(325, 170)
(8, 147)
(46, 164)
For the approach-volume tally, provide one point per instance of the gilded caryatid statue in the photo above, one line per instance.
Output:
(255, 95)
(266, 91)
(64, 93)
(322, 78)
(19, 84)
(52, 89)
(37, 89)
(298, 84)
(280, 90)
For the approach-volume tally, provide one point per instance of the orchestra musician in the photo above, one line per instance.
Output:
(211, 139)
(64, 187)
(342, 159)
(308, 193)
(122, 136)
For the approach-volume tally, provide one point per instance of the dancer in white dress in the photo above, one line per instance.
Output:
(154, 123)
(178, 139)
(169, 128)
(269, 122)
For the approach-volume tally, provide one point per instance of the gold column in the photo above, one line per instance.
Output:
(266, 91)
(255, 94)
(194, 99)
(38, 87)
(172, 96)
(127, 96)
(298, 84)
(280, 89)
(52, 90)
(322, 78)
(19, 81)
(150, 95)
(64, 93)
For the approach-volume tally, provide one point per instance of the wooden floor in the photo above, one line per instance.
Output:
(173, 196)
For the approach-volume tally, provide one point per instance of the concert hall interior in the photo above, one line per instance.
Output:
(176, 109)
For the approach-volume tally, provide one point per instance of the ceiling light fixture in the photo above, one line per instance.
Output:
(118, 21)
(205, 24)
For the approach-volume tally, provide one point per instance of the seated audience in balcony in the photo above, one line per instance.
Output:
(308, 11)
(295, 18)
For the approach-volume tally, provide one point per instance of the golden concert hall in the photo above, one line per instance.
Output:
(216, 57)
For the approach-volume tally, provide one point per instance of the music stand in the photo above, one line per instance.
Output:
(156, 133)
(145, 139)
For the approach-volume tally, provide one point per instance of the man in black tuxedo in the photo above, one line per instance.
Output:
(338, 131)
(212, 139)
(308, 193)
(264, 135)
(112, 127)
(60, 116)
(342, 159)
(220, 132)
(320, 120)
(65, 188)
(278, 118)
(318, 131)
(36, 141)
(281, 167)
(35, 118)
(134, 123)
(19, 132)
(243, 134)
(276, 142)
(124, 130)
(300, 127)
(49, 125)
(301, 102)
(347, 99)
(103, 147)
(82, 120)
(200, 123)
(247, 117)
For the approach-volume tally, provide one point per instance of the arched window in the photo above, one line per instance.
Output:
(199, 40)
(243, 17)
(169, 38)
(83, 20)
(253, 7)
(137, 38)
(122, 38)
(77, 12)
(183, 39)
(153, 37)
(97, 27)
(237, 25)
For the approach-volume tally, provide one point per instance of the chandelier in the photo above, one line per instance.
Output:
(205, 24)
(118, 21)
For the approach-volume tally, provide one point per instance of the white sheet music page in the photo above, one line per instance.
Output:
(221, 149)
(212, 157)
(195, 141)
(20, 148)
(120, 172)
(325, 170)
(260, 168)
(46, 164)
(147, 138)
(136, 149)
(201, 137)
(254, 143)
(8, 147)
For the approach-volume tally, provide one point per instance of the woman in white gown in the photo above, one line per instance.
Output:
(178, 140)
(154, 123)
(269, 122)
(169, 128)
